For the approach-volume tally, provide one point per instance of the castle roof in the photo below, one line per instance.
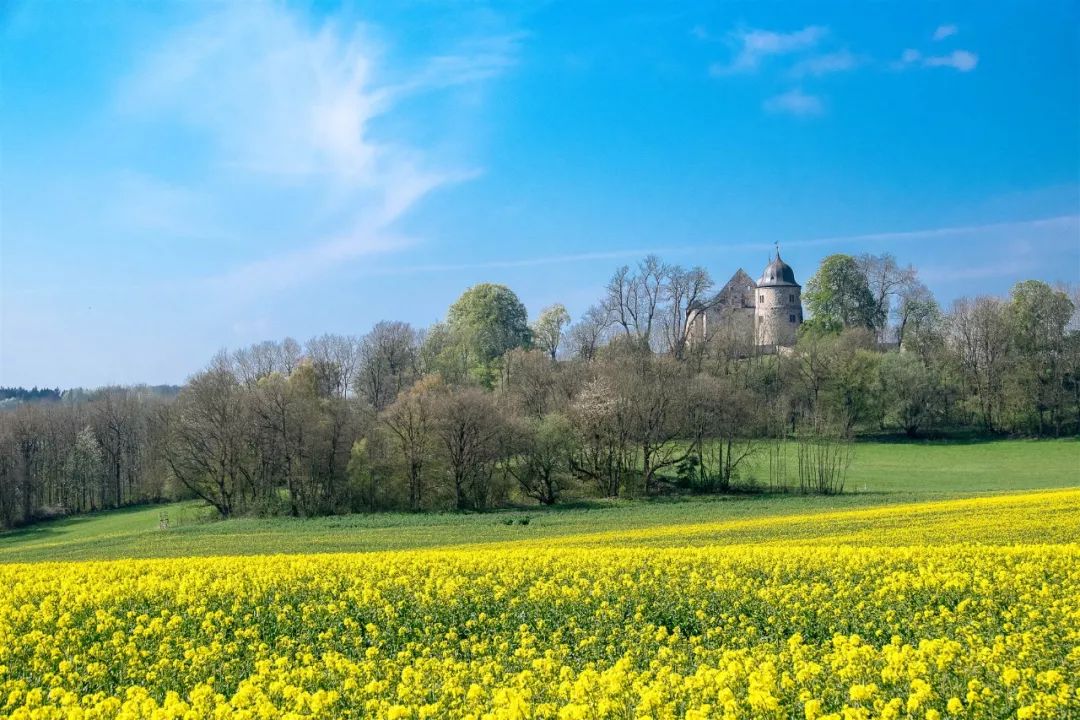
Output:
(739, 283)
(778, 274)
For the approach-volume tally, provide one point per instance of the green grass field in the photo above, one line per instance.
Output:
(881, 473)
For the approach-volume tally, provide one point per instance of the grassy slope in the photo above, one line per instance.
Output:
(881, 473)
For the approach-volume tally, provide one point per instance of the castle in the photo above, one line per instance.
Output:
(769, 311)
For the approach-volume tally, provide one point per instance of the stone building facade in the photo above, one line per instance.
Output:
(766, 313)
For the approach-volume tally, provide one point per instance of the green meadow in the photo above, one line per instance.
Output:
(881, 473)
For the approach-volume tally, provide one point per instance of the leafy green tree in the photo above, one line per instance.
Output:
(1037, 316)
(549, 328)
(486, 321)
(920, 325)
(915, 396)
(838, 296)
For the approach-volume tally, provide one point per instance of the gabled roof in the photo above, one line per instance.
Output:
(739, 283)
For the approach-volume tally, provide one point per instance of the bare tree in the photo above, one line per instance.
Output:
(979, 335)
(917, 314)
(288, 356)
(334, 358)
(114, 425)
(469, 429)
(209, 448)
(656, 402)
(410, 420)
(887, 281)
(530, 380)
(257, 361)
(633, 299)
(590, 332)
(388, 362)
(685, 290)
(604, 451)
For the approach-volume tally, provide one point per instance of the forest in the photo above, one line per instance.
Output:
(487, 409)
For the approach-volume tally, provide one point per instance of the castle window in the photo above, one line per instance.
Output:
(761, 298)
(791, 318)
(791, 298)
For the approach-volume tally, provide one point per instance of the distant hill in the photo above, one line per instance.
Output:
(10, 396)
(13, 396)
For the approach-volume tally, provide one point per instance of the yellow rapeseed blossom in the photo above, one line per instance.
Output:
(616, 627)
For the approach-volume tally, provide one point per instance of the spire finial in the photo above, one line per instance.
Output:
(777, 243)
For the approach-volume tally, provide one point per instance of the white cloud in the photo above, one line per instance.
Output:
(819, 65)
(795, 102)
(752, 46)
(944, 31)
(289, 107)
(961, 60)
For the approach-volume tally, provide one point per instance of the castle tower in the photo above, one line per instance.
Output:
(778, 308)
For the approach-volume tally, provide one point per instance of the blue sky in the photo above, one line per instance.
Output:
(180, 178)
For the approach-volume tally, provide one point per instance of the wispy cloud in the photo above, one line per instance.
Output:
(1067, 222)
(819, 65)
(944, 31)
(1064, 223)
(286, 106)
(961, 60)
(752, 46)
(795, 102)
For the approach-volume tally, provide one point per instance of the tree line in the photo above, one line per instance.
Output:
(486, 408)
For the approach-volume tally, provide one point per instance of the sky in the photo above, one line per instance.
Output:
(179, 178)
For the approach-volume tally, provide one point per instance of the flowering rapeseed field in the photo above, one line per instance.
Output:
(964, 622)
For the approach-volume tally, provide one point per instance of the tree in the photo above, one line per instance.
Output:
(650, 393)
(410, 420)
(721, 420)
(530, 381)
(1037, 316)
(684, 290)
(389, 362)
(256, 362)
(839, 296)
(590, 332)
(914, 395)
(887, 282)
(541, 466)
(115, 427)
(469, 428)
(371, 476)
(604, 452)
(283, 410)
(547, 331)
(488, 320)
(445, 353)
(979, 338)
(209, 448)
(633, 299)
(334, 358)
(920, 323)
(84, 466)
(837, 374)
